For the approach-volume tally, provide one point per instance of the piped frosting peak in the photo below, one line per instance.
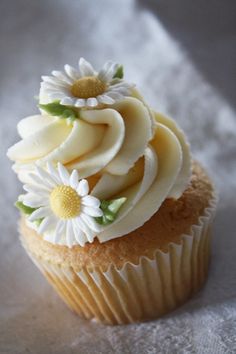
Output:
(97, 161)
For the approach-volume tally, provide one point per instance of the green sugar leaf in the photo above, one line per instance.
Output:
(27, 211)
(60, 110)
(38, 221)
(119, 72)
(53, 108)
(116, 204)
(24, 208)
(110, 210)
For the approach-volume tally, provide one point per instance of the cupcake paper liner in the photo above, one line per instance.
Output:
(136, 292)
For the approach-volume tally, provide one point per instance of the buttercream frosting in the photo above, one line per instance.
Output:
(123, 150)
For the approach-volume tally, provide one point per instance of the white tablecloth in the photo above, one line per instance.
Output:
(182, 54)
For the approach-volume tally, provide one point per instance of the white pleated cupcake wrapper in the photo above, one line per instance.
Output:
(136, 292)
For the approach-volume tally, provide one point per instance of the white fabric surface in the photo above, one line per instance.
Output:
(182, 55)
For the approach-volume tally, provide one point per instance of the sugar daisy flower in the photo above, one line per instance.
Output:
(84, 87)
(63, 203)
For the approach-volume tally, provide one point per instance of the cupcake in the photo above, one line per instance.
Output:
(116, 214)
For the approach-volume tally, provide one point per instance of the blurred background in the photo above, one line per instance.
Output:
(182, 55)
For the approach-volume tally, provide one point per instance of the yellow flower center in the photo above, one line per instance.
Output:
(88, 86)
(65, 202)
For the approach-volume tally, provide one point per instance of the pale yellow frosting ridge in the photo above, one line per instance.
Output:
(125, 150)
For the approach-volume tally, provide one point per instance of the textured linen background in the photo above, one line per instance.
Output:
(182, 54)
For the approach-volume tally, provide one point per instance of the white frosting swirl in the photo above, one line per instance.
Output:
(124, 151)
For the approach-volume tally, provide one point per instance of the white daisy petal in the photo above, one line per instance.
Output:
(107, 75)
(71, 99)
(79, 234)
(90, 200)
(39, 181)
(56, 96)
(107, 72)
(53, 91)
(107, 65)
(86, 68)
(59, 81)
(83, 188)
(84, 227)
(80, 102)
(68, 101)
(103, 71)
(60, 75)
(74, 179)
(122, 91)
(121, 84)
(45, 224)
(54, 81)
(47, 79)
(119, 88)
(59, 230)
(51, 169)
(92, 102)
(91, 222)
(116, 95)
(113, 70)
(56, 87)
(39, 213)
(71, 72)
(69, 233)
(34, 202)
(95, 212)
(51, 94)
(35, 190)
(64, 174)
(45, 176)
(105, 99)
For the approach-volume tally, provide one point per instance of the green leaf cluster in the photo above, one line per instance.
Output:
(24, 208)
(60, 110)
(110, 210)
(27, 210)
(119, 73)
